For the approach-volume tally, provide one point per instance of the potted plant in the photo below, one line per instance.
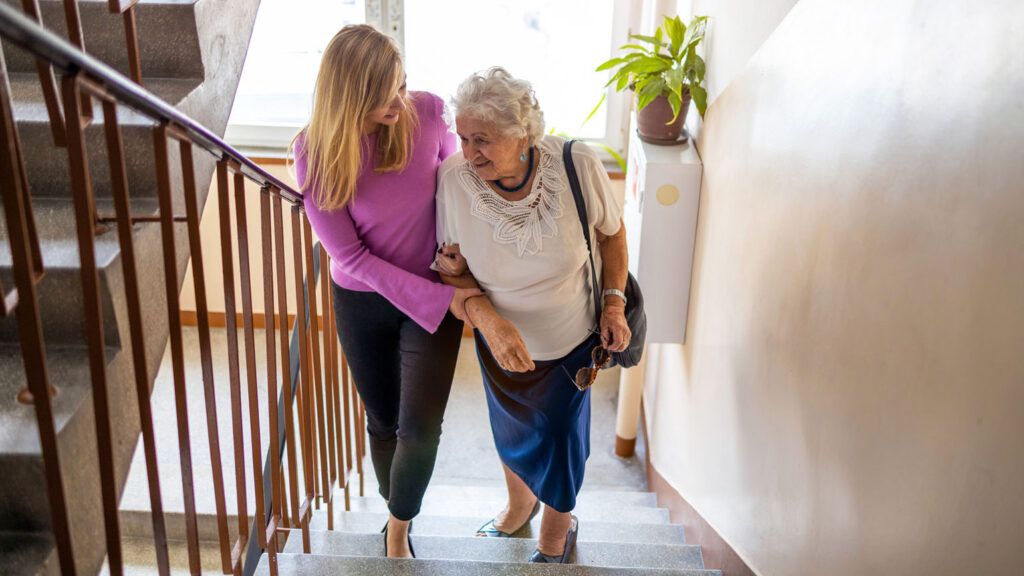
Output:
(665, 72)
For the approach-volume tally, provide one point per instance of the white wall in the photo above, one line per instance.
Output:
(850, 397)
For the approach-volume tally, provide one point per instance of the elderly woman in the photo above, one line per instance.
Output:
(507, 223)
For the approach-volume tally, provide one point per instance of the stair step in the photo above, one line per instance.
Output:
(47, 165)
(474, 493)
(513, 550)
(169, 45)
(596, 530)
(28, 555)
(310, 565)
(59, 292)
(586, 509)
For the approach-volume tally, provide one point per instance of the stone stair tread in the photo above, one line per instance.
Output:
(315, 565)
(58, 235)
(448, 492)
(513, 550)
(586, 509)
(596, 530)
(68, 369)
(29, 106)
(28, 555)
(168, 36)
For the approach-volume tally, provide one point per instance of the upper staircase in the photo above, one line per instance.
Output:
(191, 55)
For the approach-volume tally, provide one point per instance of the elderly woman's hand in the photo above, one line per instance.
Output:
(450, 260)
(506, 344)
(615, 333)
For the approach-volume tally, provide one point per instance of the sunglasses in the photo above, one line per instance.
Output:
(585, 377)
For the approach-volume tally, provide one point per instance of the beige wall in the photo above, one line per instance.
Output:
(851, 396)
(212, 267)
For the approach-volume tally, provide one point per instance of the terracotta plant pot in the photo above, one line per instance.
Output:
(652, 121)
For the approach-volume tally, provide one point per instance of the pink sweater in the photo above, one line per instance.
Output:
(384, 240)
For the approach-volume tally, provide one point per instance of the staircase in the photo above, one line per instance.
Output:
(191, 53)
(622, 532)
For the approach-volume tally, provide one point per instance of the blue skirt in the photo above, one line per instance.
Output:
(541, 422)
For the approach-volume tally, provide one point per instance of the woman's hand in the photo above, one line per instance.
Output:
(458, 303)
(450, 260)
(615, 333)
(505, 343)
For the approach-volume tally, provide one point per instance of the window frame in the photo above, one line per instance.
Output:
(272, 139)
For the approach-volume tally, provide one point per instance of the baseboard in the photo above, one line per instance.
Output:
(219, 320)
(718, 554)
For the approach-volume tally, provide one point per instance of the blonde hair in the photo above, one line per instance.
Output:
(507, 102)
(361, 71)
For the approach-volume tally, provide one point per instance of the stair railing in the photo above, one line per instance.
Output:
(329, 418)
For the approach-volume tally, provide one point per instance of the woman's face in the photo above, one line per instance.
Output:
(491, 154)
(388, 113)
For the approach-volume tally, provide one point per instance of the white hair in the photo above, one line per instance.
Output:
(497, 97)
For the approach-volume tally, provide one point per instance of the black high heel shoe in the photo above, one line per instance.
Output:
(539, 557)
(384, 531)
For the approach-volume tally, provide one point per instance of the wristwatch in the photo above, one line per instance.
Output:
(614, 292)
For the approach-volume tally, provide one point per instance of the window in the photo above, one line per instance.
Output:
(555, 44)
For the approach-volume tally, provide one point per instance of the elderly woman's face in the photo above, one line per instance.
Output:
(491, 154)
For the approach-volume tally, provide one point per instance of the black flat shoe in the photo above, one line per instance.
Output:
(384, 531)
(539, 557)
(489, 530)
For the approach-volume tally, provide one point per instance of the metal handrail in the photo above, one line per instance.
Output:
(24, 32)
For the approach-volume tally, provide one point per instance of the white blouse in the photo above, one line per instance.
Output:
(529, 255)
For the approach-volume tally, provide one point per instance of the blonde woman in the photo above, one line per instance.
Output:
(367, 165)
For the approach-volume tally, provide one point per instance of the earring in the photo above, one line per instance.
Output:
(522, 157)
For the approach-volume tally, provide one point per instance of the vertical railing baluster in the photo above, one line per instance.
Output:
(316, 380)
(360, 439)
(242, 230)
(48, 81)
(277, 496)
(18, 214)
(85, 210)
(348, 408)
(74, 23)
(205, 347)
(286, 380)
(131, 37)
(305, 390)
(163, 169)
(119, 184)
(231, 333)
(332, 422)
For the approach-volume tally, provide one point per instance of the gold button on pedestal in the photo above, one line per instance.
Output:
(667, 195)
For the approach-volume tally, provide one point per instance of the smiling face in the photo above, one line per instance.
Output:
(492, 154)
(387, 114)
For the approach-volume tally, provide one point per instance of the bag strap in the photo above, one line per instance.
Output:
(581, 210)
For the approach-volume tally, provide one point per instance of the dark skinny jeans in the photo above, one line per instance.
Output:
(404, 375)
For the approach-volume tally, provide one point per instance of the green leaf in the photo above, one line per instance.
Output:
(648, 65)
(676, 102)
(649, 39)
(635, 47)
(596, 108)
(611, 151)
(676, 34)
(700, 99)
(649, 92)
(622, 83)
(609, 64)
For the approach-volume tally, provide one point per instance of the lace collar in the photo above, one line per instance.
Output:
(525, 222)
